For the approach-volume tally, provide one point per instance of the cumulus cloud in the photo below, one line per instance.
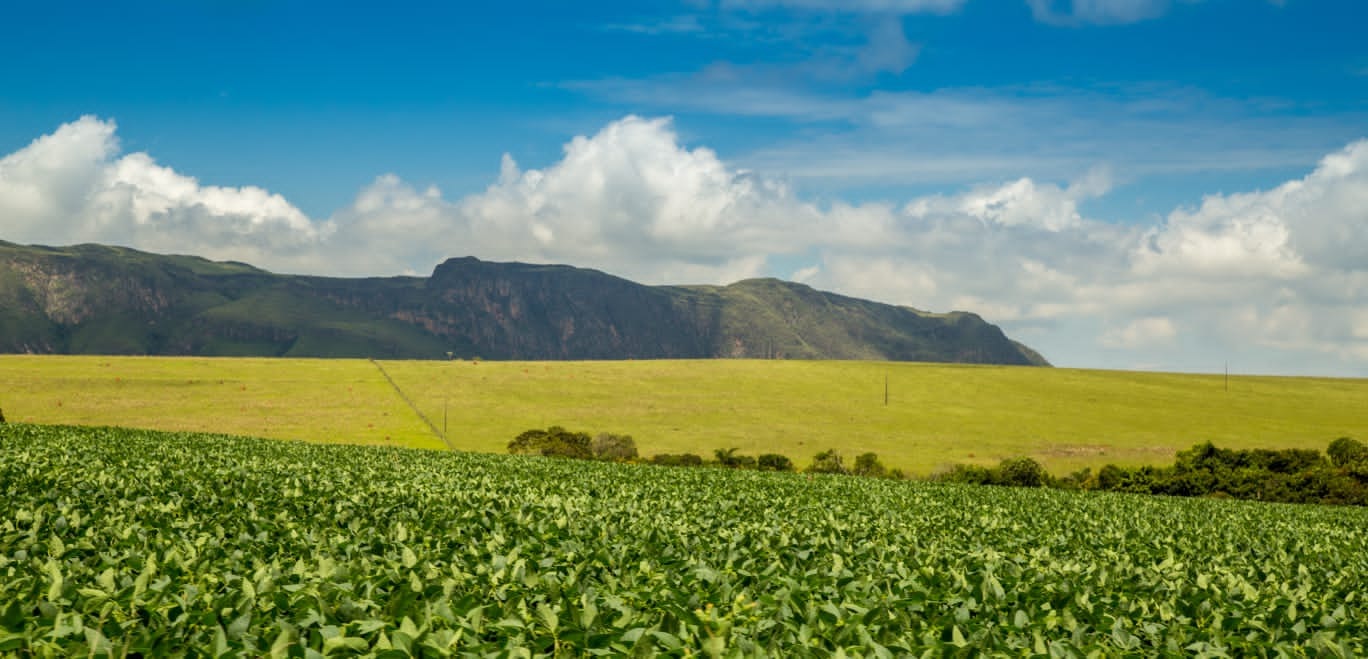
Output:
(1278, 276)
(1018, 203)
(73, 186)
(1140, 332)
(629, 197)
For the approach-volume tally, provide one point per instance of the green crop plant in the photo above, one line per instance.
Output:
(115, 542)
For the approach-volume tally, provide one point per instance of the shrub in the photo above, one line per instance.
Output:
(1192, 483)
(1359, 471)
(2, 415)
(1140, 481)
(1287, 461)
(1110, 477)
(1343, 451)
(774, 462)
(677, 460)
(619, 448)
(1078, 480)
(729, 458)
(972, 474)
(827, 462)
(1286, 475)
(569, 444)
(1207, 457)
(867, 464)
(554, 441)
(1022, 472)
(529, 442)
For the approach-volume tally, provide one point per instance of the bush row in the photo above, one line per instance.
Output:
(1340, 476)
(559, 442)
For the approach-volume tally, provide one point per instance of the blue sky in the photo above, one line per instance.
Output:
(1167, 184)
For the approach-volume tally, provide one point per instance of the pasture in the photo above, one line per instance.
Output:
(335, 400)
(937, 414)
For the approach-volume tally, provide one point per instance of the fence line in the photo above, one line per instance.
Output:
(432, 426)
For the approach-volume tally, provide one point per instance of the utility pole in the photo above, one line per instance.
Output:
(1227, 377)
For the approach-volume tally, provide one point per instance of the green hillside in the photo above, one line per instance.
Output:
(91, 299)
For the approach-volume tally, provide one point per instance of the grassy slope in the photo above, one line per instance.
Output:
(323, 328)
(937, 414)
(342, 400)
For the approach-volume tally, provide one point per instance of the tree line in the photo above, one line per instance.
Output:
(559, 442)
(1339, 476)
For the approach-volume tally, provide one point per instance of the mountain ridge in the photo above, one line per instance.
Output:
(99, 299)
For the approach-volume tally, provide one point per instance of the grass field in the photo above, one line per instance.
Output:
(338, 400)
(936, 414)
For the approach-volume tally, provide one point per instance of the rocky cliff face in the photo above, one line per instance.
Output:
(97, 299)
(521, 311)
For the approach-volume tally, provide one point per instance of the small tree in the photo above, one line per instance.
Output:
(1022, 472)
(1343, 452)
(774, 462)
(530, 442)
(827, 462)
(563, 443)
(619, 448)
(1111, 477)
(972, 474)
(555, 441)
(1076, 481)
(729, 458)
(867, 464)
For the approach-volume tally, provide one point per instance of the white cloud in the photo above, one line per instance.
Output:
(72, 186)
(963, 136)
(1141, 332)
(1019, 203)
(1314, 224)
(684, 24)
(854, 52)
(1278, 276)
(888, 49)
(629, 199)
(1281, 275)
(632, 194)
(1096, 12)
(802, 275)
(1053, 12)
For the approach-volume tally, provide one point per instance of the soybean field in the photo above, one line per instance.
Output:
(115, 542)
